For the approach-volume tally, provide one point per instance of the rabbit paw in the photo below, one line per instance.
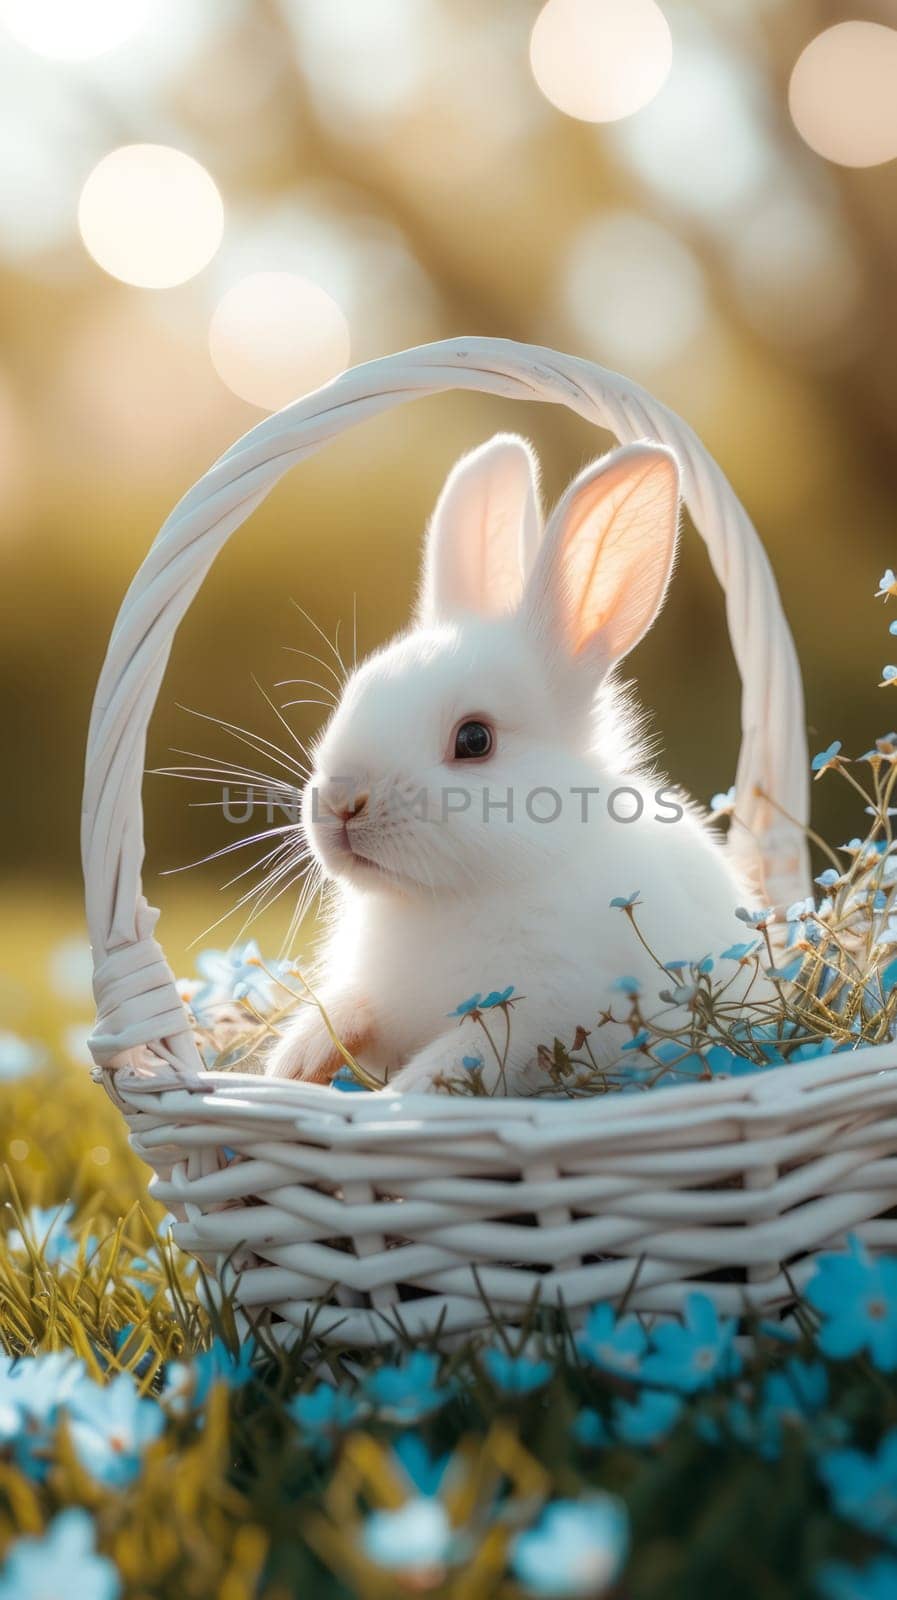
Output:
(306, 1049)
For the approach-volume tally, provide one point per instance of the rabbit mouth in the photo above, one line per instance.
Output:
(342, 856)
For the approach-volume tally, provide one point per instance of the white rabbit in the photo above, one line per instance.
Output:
(432, 807)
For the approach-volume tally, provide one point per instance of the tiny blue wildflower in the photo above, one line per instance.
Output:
(576, 1549)
(888, 977)
(323, 1412)
(496, 997)
(722, 1063)
(110, 1427)
(676, 966)
(407, 1391)
(829, 878)
(787, 974)
(888, 675)
(590, 1429)
(794, 1396)
(425, 1472)
(345, 1080)
(856, 1297)
(415, 1538)
(233, 975)
(62, 1561)
(188, 1383)
(32, 1389)
(623, 902)
(627, 986)
(649, 1419)
(827, 758)
(616, 1344)
(876, 1581)
(694, 1353)
(515, 1374)
(738, 952)
(864, 1487)
(755, 919)
(723, 805)
(47, 1229)
(887, 585)
(467, 1006)
(638, 1040)
(472, 1063)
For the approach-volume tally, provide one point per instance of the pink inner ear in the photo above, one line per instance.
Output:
(618, 551)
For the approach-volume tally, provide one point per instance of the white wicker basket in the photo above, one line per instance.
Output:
(369, 1209)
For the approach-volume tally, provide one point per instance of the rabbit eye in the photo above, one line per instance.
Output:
(473, 741)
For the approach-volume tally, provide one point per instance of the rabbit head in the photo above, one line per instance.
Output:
(425, 771)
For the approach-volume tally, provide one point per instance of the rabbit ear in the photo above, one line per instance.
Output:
(486, 522)
(602, 571)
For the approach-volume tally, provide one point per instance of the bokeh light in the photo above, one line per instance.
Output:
(275, 336)
(72, 30)
(151, 215)
(600, 60)
(634, 291)
(710, 86)
(843, 97)
(795, 271)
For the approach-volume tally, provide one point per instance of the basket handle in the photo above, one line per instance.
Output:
(137, 1002)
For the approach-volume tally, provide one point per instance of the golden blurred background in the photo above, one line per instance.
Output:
(699, 194)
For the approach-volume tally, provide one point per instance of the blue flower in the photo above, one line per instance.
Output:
(864, 1488)
(794, 1396)
(888, 977)
(232, 975)
(827, 758)
(496, 997)
(829, 878)
(649, 1419)
(416, 1538)
(637, 1042)
(188, 1383)
(856, 1297)
(425, 1473)
(627, 986)
(623, 902)
(755, 919)
(324, 1411)
(694, 1353)
(472, 1063)
(888, 675)
(616, 1344)
(590, 1429)
(467, 1006)
(407, 1391)
(723, 805)
(63, 1561)
(32, 1388)
(515, 1374)
(345, 1079)
(18, 1057)
(788, 973)
(887, 585)
(110, 1427)
(47, 1231)
(577, 1548)
(876, 1581)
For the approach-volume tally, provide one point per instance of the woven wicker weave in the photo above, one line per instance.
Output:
(369, 1207)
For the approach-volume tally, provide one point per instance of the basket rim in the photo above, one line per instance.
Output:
(774, 1091)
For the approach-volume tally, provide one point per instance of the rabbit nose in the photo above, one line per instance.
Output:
(344, 803)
